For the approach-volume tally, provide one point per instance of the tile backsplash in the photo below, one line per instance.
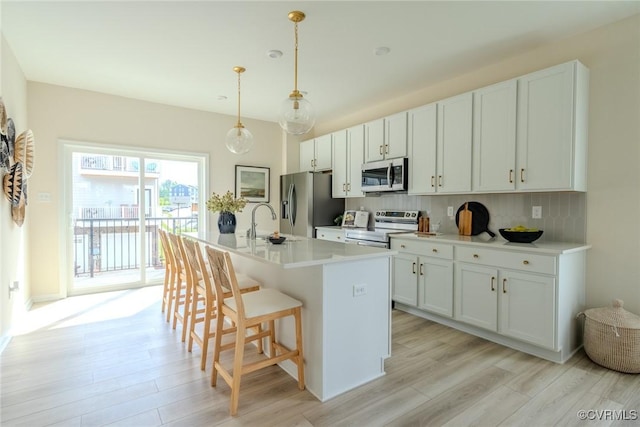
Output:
(563, 214)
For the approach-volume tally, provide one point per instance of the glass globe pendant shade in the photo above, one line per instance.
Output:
(239, 140)
(297, 115)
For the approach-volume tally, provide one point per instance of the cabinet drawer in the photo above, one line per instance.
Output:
(332, 235)
(435, 250)
(534, 263)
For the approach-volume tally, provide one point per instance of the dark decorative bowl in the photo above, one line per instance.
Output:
(278, 240)
(520, 236)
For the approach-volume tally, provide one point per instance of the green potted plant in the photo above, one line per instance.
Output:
(227, 205)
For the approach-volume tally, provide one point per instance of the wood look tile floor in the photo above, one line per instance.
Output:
(111, 359)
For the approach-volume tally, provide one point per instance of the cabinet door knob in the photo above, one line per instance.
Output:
(504, 286)
(493, 288)
(525, 262)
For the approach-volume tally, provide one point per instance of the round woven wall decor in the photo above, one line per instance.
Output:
(13, 184)
(3, 118)
(24, 152)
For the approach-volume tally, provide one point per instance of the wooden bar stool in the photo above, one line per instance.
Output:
(203, 307)
(182, 289)
(169, 274)
(247, 311)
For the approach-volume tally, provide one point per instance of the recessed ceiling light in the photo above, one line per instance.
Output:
(221, 97)
(274, 54)
(382, 50)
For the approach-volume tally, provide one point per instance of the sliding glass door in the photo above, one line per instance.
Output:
(116, 200)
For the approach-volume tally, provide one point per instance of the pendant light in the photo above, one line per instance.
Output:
(297, 116)
(239, 140)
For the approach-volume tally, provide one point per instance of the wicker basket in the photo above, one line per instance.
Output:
(612, 338)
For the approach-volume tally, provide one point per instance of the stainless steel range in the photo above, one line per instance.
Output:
(386, 223)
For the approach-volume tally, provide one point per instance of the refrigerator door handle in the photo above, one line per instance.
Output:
(293, 208)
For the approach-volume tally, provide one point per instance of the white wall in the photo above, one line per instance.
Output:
(612, 53)
(13, 239)
(57, 113)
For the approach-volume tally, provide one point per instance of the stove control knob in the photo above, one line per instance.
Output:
(407, 214)
(413, 214)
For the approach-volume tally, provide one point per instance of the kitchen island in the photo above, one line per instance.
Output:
(346, 295)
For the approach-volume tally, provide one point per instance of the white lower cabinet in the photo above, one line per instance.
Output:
(525, 299)
(423, 276)
(515, 304)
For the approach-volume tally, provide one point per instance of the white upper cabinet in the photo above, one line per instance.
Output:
(315, 154)
(494, 137)
(454, 144)
(386, 138)
(421, 142)
(552, 129)
(348, 155)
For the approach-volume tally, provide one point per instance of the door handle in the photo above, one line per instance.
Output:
(493, 288)
(504, 286)
(414, 268)
(421, 269)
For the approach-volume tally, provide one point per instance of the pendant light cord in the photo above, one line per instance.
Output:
(239, 124)
(295, 62)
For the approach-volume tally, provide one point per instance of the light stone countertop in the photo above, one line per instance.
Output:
(483, 240)
(295, 252)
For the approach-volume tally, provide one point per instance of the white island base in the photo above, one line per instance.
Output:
(346, 315)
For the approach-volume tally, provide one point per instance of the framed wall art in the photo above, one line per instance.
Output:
(252, 183)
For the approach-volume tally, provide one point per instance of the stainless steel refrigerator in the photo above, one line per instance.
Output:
(306, 203)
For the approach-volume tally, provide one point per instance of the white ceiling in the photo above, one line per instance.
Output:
(182, 53)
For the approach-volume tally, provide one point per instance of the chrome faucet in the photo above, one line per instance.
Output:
(252, 230)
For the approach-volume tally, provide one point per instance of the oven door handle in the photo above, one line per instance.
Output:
(367, 243)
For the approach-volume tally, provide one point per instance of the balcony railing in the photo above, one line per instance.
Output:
(113, 244)
(116, 164)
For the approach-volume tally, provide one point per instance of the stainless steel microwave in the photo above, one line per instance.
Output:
(385, 175)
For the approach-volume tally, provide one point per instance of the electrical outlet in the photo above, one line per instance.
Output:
(450, 211)
(536, 212)
(359, 290)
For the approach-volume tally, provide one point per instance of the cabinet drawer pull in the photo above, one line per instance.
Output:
(434, 250)
(380, 150)
(338, 237)
(432, 181)
(476, 256)
(504, 286)
(522, 175)
(402, 246)
(414, 268)
(439, 180)
(525, 262)
(493, 288)
(386, 148)
(421, 269)
(510, 175)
